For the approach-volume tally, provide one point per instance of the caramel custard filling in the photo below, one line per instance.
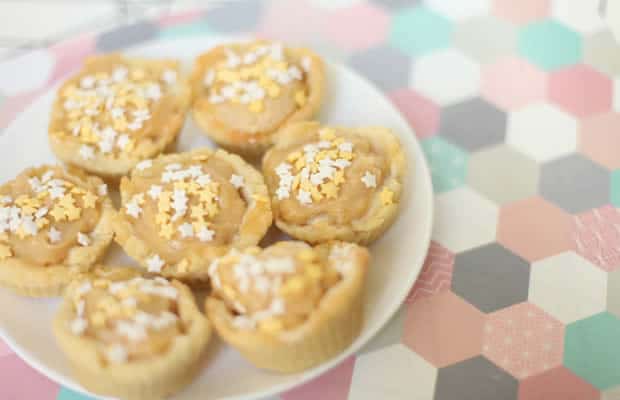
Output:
(181, 207)
(253, 88)
(130, 320)
(334, 174)
(273, 289)
(43, 213)
(113, 108)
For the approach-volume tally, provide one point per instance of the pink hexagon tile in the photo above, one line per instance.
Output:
(527, 83)
(523, 11)
(534, 228)
(436, 275)
(600, 140)
(421, 112)
(371, 26)
(444, 329)
(523, 339)
(580, 90)
(596, 234)
(557, 384)
(334, 384)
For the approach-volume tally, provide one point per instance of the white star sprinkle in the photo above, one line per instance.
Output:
(155, 191)
(122, 141)
(142, 165)
(169, 76)
(186, 230)
(369, 180)
(283, 193)
(87, 152)
(306, 63)
(155, 263)
(304, 197)
(283, 169)
(56, 192)
(116, 354)
(78, 326)
(87, 82)
(204, 180)
(206, 235)
(132, 208)
(102, 189)
(83, 239)
(236, 181)
(209, 78)
(346, 147)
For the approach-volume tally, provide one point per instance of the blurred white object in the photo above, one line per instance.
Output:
(610, 10)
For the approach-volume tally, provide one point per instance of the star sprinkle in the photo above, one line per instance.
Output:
(369, 180)
(89, 200)
(186, 229)
(387, 197)
(304, 197)
(87, 152)
(169, 76)
(83, 240)
(237, 181)
(155, 191)
(78, 326)
(142, 165)
(54, 235)
(132, 208)
(102, 190)
(154, 263)
(206, 235)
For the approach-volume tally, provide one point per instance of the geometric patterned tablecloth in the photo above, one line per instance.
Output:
(517, 107)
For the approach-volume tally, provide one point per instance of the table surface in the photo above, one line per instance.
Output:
(516, 105)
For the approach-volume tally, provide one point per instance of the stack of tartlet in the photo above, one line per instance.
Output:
(196, 219)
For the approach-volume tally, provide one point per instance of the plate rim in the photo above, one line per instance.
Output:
(420, 167)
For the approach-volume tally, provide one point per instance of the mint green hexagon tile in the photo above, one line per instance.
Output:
(615, 188)
(448, 163)
(196, 28)
(418, 30)
(66, 394)
(550, 45)
(591, 349)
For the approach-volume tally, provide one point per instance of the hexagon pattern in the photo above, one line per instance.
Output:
(580, 91)
(527, 83)
(580, 292)
(491, 277)
(448, 163)
(475, 379)
(591, 351)
(454, 213)
(473, 124)
(418, 30)
(490, 168)
(542, 131)
(550, 45)
(557, 384)
(523, 340)
(534, 228)
(574, 183)
(433, 78)
(471, 37)
(431, 323)
(516, 105)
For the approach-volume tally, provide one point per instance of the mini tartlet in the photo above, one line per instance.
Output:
(118, 111)
(180, 211)
(131, 337)
(334, 183)
(53, 225)
(243, 93)
(289, 307)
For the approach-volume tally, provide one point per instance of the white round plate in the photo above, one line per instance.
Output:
(397, 257)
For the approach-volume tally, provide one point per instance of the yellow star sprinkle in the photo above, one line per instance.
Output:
(58, 213)
(198, 211)
(163, 204)
(183, 265)
(330, 190)
(67, 201)
(256, 106)
(5, 252)
(327, 133)
(42, 222)
(162, 218)
(73, 213)
(387, 196)
(300, 98)
(294, 156)
(166, 231)
(339, 177)
(89, 200)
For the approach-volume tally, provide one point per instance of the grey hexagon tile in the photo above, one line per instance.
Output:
(613, 293)
(368, 384)
(385, 66)
(491, 277)
(575, 183)
(126, 36)
(473, 124)
(234, 16)
(602, 52)
(490, 169)
(475, 379)
(391, 333)
(485, 38)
